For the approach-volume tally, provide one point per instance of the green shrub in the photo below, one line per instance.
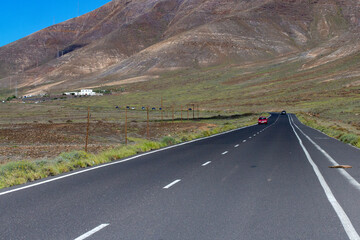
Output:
(24, 166)
(186, 138)
(72, 156)
(149, 145)
(350, 138)
(205, 133)
(168, 140)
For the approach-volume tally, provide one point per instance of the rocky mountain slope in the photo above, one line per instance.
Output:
(132, 38)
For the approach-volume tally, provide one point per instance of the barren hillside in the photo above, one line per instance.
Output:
(131, 38)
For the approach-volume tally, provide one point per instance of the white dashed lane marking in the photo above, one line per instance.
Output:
(91, 232)
(172, 184)
(207, 163)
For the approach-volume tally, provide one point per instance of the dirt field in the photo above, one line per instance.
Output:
(46, 140)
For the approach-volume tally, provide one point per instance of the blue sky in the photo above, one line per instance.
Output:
(20, 18)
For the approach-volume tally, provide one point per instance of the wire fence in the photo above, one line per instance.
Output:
(97, 124)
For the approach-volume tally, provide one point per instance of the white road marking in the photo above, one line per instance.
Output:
(249, 137)
(224, 152)
(207, 163)
(244, 141)
(236, 145)
(88, 234)
(351, 180)
(172, 184)
(345, 221)
(66, 175)
(254, 135)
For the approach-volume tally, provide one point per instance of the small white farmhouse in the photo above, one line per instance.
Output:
(86, 92)
(83, 92)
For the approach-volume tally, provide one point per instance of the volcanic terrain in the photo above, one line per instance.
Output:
(138, 39)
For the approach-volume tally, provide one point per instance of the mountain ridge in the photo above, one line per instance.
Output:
(126, 39)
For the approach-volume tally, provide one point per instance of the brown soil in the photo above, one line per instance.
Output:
(39, 140)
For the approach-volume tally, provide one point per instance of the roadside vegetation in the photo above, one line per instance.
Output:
(20, 172)
(333, 130)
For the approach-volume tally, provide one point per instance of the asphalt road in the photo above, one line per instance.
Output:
(260, 182)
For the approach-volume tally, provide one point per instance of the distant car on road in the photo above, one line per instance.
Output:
(283, 112)
(262, 120)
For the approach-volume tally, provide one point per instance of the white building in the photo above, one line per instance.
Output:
(84, 92)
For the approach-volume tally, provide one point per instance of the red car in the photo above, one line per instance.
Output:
(262, 120)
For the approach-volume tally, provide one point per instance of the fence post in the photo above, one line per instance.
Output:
(173, 113)
(162, 109)
(193, 110)
(147, 125)
(126, 140)
(87, 130)
(181, 113)
(198, 110)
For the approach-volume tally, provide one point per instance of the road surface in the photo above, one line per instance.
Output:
(261, 182)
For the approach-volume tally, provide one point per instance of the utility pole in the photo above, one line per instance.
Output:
(126, 140)
(173, 113)
(162, 117)
(198, 110)
(147, 124)
(87, 130)
(181, 113)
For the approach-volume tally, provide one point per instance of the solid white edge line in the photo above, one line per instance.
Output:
(172, 184)
(333, 138)
(224, 152)
(116, 162)
(351, 180)
(207, 163)
(89, 233)
(345, 221)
